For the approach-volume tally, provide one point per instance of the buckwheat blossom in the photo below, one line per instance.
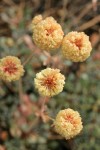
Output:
(76, 46)
(68, 123)
(11, 68)
(49, 82)
(47, 33)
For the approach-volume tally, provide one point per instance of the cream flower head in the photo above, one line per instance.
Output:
(11, 68)
(68, 123)
(49, 82)
(76, 46)
(47, 33)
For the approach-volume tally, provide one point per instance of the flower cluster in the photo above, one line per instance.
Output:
(68, 123)
(47, 33)
(11, 68)
(75, 46)
(49, 82)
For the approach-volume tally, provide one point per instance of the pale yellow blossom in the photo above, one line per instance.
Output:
(11, 68)
(76, 46)
(49, 82)
(68, 123)
(47, 34)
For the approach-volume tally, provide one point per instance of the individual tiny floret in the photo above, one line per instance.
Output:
(11, 68)
(68, 123)
(76, 46)
(49, 82)
(47, 33)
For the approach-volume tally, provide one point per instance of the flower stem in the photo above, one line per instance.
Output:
(28, 58)
(20, 89)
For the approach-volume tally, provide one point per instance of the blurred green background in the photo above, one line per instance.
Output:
(20, 128)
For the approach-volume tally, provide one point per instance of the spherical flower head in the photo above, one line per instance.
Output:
(49, 82)
(48, 34)
(68, 123)
(76, 46)
(10, 68)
